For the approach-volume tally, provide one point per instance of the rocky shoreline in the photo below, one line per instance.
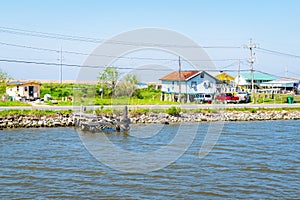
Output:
(216, 116)
(22, 121)
(70, 120)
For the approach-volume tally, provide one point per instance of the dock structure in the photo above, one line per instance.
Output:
(94, 123)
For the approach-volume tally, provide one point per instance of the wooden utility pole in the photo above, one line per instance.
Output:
(61, 71)
(179, 79)
(250, 47)
(238, 76)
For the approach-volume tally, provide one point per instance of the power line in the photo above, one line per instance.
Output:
(130, 68)
(294, 73)
(42, 63)
(47, 35)
(29, 47)
(95, 40)
(277, 52)
(268, 73)
(90, 66)
(277, 76)
(230, 65)
(109, 56)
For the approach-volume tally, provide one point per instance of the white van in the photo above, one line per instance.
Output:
(203, 98)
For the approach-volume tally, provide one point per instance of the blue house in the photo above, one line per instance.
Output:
(192, 83)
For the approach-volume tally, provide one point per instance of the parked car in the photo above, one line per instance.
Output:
(227, 98)
(244, 97)
(203, 98)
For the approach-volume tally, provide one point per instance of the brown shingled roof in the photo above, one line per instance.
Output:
(184, 75)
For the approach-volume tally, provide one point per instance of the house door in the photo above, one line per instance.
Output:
(30, 91)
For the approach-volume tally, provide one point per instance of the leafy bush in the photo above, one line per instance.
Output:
(57, 90)
(139, 111)
(138, 94)
(174, 111)
(253, 110)
(213, 110)
(107, 111)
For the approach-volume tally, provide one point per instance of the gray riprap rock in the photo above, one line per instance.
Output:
(41, 123)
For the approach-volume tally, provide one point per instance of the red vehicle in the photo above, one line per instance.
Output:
(227, 98)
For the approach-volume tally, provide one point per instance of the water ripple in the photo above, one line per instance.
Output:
(258, 160)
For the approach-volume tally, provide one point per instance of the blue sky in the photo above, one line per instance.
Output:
(272, 24)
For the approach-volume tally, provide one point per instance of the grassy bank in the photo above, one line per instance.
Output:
(139, 111)
(176, 110)
(13, 103)
(277, 98)
(4, 113)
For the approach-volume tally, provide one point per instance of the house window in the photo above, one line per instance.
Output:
(18, 88)
(206, 84)
(202, 75)
(172, 82)
(25, 88)
(194, 84)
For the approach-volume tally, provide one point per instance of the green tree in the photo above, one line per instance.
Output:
(129, 78)
(127, 86)
(108, 80)
(4, 78)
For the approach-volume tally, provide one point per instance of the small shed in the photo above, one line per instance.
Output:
(29, 90)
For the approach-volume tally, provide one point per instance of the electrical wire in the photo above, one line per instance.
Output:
(277, 53)
(109, 56)
(95, 40)
(48, 35)
(278, 77)
(88, 66)
(130, 68)
(294, 73)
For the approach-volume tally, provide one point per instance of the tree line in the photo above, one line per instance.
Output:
(110, 85)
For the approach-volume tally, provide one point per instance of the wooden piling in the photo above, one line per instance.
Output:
(93, 123)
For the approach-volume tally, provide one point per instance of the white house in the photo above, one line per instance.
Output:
(284, 83)
(192, 83)
(17, 90)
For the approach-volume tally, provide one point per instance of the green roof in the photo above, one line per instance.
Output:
(258, 76)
